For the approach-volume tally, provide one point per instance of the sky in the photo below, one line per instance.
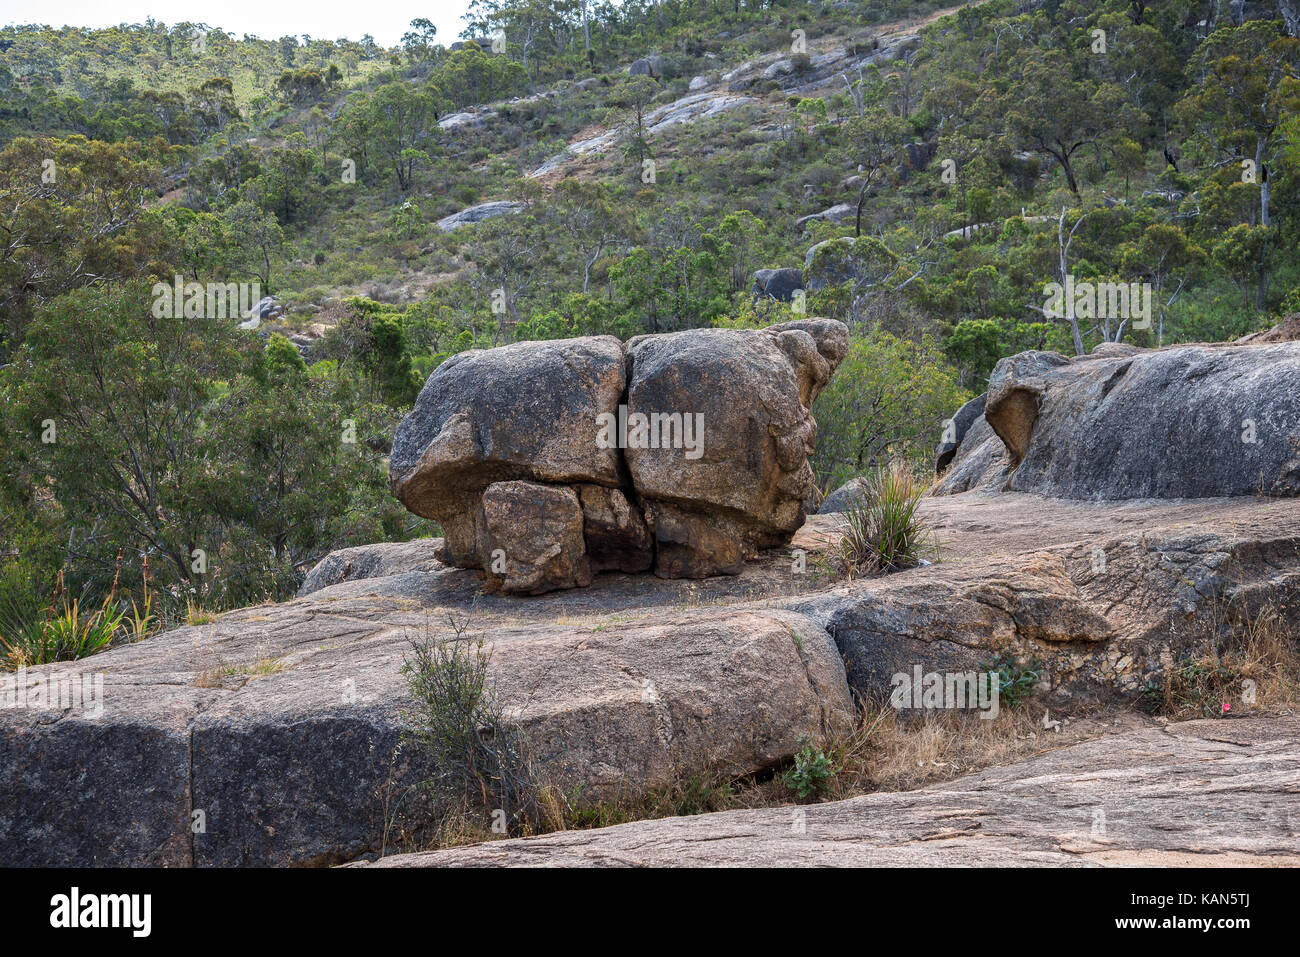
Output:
(385, 20)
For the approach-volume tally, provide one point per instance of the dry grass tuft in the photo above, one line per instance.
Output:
(1256, 667)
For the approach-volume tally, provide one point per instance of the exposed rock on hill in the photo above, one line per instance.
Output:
(690, 449)
(1197, 794)
(476, 214)
(778, 284)
(839, 213)
(1180, 422)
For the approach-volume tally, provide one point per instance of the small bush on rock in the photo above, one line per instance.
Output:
(1016, 679)
(476, 760)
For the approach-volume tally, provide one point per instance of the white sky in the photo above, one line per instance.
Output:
(385, 20)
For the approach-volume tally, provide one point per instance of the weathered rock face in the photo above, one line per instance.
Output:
(370, 561)
(647, 66)
(745, 488)
(476, 214)
(547, 462)
(1288, 330)
(1182, 422)
(526, 411)
(955, 430)
(843, 498)
(534, 537)
(281, 722)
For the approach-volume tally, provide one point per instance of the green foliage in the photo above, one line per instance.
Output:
(67, 635)
(184, 440)
(888, 399)
(811, 773)
(317, 169)
(456, 725)
(1016, 679)
(283, 360)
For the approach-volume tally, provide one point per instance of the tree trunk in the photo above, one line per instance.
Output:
(1261, 174)
(1069, 174)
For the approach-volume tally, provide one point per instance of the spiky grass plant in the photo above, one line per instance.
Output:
(67, 631)
(886, 531)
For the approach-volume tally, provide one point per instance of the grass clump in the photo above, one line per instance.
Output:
(68, 631)
(886, 531)
(1256, 665)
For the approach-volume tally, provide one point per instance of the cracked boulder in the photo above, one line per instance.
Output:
(547, 462)
(1124, 423)
(525, 411)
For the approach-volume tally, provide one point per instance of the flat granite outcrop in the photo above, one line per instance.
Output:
(280, 723)
(1196, 794)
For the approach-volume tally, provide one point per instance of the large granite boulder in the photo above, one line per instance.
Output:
(852, 493)
(955, 429)
(1124, 423)
(547, 462)
(745, 485)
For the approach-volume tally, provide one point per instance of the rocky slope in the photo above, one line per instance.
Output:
(272, 735)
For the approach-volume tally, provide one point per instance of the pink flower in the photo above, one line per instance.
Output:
(1226, 707)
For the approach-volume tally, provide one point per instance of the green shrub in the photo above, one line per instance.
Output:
(811, 773)
(1016, 679)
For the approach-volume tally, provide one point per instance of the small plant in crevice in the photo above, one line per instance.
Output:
(811, 773)
(1016, 679)
(886, 531)
(477, 768)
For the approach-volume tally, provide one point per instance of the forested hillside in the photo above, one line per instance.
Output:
(922, 171)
